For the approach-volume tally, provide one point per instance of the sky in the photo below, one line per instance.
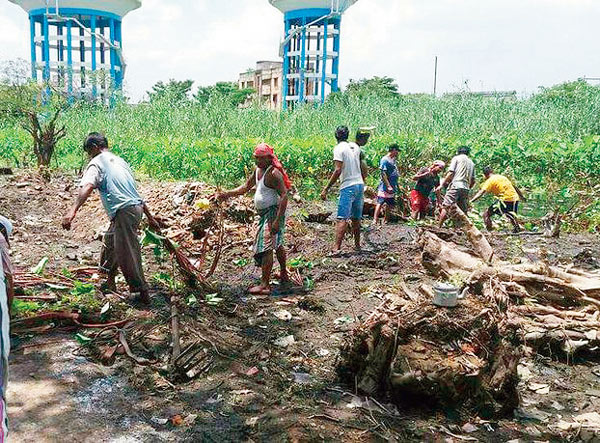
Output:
(481, 45)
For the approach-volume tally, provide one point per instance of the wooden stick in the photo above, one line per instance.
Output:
(175, 329)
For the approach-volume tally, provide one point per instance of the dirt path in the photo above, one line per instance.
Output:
(256, 389)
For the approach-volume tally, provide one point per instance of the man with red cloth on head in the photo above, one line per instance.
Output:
(427, 180)
(271, 199)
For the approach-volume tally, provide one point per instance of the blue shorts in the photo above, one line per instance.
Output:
(351, 202)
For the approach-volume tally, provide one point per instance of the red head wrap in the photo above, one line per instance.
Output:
(264, 150)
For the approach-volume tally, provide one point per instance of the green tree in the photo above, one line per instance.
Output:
(378, 86)
(37, 109)
(173, 90)
(227, 90)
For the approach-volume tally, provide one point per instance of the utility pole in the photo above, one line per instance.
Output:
(435, 78)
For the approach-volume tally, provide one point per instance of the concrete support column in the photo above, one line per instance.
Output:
(46, 48)
(302, 82)
(82, 50)
(336, 59)
(70, 58)
(324, 63)
(286, 67)
(112, 50)
(119, 39)
(94, 54)
(32, 22)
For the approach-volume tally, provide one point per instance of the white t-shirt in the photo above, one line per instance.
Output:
(349, 155)
(464, 172)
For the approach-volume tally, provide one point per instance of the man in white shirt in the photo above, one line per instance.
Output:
(461, 176)
(350, 171)
(113, 179)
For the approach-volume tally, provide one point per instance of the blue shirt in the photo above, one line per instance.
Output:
(113, 179)
(388, 167)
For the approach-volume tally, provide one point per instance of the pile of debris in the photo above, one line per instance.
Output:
(557, 308)
(416, 352)
(467, 356)
(190, 217)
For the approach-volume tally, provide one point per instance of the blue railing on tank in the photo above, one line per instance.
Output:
(63, 35)
(312, 50)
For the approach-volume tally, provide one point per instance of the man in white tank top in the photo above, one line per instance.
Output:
(271, 199)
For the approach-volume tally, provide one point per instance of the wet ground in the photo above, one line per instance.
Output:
(262, 385)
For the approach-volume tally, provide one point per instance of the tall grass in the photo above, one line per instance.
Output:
(549, 142)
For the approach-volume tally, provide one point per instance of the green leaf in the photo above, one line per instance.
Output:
(152, 238)
(82, 339)
(80, 288)
(241, 262)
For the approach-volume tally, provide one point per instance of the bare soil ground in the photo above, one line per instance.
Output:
(256, 389)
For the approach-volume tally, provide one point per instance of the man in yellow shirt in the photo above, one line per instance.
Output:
(507, 194)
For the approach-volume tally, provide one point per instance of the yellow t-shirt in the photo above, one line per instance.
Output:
(501, 187)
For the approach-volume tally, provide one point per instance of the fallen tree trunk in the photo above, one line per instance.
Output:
(562, 304)
(477, 239)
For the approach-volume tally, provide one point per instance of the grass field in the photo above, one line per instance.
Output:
(549, 142)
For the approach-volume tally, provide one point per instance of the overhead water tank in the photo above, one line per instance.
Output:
(76, 45)
(311, 48)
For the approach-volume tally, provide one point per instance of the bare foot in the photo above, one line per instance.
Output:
(260, 290)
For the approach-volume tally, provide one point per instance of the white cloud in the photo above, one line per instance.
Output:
(494, 44)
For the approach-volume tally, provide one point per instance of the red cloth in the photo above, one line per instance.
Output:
(418, 202)
(263, 150)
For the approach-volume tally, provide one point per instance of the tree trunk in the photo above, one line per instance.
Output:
(45, 137)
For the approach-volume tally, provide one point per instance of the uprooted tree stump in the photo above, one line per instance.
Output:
(558, 308)
(463, 357)
(467, 356)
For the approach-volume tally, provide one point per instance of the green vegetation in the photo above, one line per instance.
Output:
(549, 142)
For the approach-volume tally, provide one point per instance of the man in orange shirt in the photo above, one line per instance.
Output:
(508, 197)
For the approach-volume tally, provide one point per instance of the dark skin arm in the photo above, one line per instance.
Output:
(334, 177)
(478, 195)
(274, 180)
(447, 179)
(83, 195)
(438, 196)
(421, 175)
(240, 190)
(364, 169)
(386, 181)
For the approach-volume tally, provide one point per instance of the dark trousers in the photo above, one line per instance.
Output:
(121, 248)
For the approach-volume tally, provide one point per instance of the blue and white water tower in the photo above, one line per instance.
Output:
(311, 48)
(76, 45)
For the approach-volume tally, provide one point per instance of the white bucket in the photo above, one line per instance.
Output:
(445, 295)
